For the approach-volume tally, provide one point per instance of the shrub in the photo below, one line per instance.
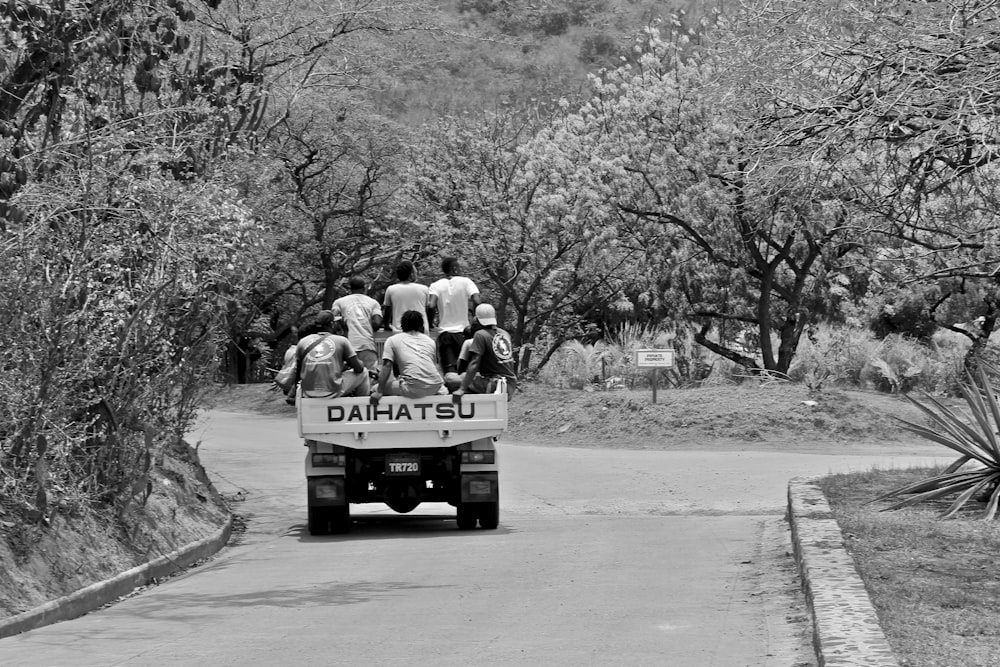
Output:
(611, 362)
(114, 319)
(580, 364)
(833, 355)
(598, 49)
(906, 315)
(973, 437)
(901, 364)
(829, 355)
(853, 357)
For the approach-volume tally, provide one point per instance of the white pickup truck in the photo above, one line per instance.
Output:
(402, 452)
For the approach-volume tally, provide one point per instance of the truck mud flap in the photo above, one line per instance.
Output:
(327, 491)
(480, 487)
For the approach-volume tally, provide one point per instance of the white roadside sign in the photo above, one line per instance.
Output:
(654, 358)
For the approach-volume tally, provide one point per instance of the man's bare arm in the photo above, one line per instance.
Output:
(467, 379)
(356, 365)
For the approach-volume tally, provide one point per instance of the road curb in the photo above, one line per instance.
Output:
(846, 632)
(100, 593)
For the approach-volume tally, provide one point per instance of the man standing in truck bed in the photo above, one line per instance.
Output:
(451, 297)
(404, 295)
(363, 317)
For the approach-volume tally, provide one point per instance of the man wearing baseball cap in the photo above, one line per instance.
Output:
(491, 357)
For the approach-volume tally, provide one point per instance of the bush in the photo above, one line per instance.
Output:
(833, 356)
(610, 363)
(900, 365)
(114, 322)
(829, 355)
(907, 316)
(598, 49)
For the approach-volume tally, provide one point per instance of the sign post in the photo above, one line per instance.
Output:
(655, 360)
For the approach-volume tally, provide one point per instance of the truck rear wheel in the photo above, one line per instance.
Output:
(489, 515)
(327, 520)
(340, 519)
(318, 521)
(466, 516)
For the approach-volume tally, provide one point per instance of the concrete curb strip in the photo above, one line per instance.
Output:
(846, 631)
(98, 594)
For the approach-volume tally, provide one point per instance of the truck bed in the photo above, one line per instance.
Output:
(435, 421)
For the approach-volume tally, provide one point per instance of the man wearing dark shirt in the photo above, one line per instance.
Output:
(491, 357)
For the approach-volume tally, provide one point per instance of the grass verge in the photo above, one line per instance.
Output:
(934, 583)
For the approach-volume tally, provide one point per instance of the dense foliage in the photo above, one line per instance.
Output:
(185, 182)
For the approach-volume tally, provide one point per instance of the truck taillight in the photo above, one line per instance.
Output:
(329, 460)
(480, 487)
(327, 490)
(479, 456)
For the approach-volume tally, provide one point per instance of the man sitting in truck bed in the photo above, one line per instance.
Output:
(328, 366)
(491, 357)
(411, 353)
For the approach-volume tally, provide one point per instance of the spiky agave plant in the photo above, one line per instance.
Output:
(973, 436)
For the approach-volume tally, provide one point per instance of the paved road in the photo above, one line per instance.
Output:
(603, 557)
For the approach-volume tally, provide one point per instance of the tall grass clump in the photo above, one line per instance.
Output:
(833, 356)
(575, 365)
(610, 363)
(845, 356)
(828, 356)
(900, 364)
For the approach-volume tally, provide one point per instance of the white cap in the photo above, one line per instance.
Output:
(486, 315)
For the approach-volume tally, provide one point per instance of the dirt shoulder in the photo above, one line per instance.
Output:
(46, 560)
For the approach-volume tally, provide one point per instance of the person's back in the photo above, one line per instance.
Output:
(403, 296)
(491, 356)
(451, 297)
(362, 315)
(328, 367)
(412, 353)
(321, 364)
(496, 352)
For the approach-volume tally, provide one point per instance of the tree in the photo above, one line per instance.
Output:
(331, 200)
(121, 266)
(912, 87)
(538, 249)
(112, 322)
(744, 233)
(324, 168)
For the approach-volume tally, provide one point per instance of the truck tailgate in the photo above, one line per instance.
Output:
(434, 421)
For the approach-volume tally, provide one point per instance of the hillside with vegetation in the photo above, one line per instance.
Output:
(782, 190)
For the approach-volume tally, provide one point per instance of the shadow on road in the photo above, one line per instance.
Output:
(396, 527)
(189, 607)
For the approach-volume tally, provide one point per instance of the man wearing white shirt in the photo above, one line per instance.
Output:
(453, 298)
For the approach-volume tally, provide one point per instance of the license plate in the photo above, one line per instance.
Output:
(402, 464)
